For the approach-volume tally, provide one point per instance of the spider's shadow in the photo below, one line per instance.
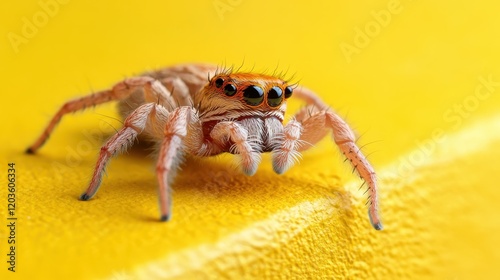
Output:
(198, 174)
(212, 176)
(210, 179)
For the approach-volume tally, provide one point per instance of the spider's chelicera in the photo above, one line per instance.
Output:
(239, 113)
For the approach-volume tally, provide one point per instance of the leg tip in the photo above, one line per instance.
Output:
(278, 170)
(378, 226)
(375, 220)
(165, 218)
(30, 151)
(249, 171)
(85, 197)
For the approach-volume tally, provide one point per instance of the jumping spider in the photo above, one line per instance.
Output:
(238, 113)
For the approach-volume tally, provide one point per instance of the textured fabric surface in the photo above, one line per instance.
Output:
(418, 80)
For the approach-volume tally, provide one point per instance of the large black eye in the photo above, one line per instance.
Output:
(230, 89)
(274, 96)
(288, 92)
(219, 82)
(253, 95)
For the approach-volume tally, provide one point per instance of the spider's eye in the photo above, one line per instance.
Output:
(219, 82)
(253, 95)
(274, 96)
(229, 89)
(288, 92)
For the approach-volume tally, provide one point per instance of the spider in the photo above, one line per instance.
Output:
(238, 113)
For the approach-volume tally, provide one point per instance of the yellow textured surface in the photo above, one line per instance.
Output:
(423, 89)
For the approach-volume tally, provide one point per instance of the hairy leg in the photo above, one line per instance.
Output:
(118, 92)
(119, 142)
(309, 97)
(311, 125)
(175, 130)
(226, 131)
(179, 90)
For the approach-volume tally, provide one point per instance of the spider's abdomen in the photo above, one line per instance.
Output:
(183, 82)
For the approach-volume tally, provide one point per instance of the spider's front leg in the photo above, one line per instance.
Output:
(176, 128)
(310, 125)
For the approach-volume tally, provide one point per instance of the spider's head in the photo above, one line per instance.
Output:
(247, 91)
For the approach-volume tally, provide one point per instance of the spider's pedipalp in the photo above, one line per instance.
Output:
(286, 154)
(238, 135)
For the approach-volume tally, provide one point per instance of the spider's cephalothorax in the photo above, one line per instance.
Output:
(254, 102)
(239, 113)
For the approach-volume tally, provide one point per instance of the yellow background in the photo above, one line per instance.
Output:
(439, 194)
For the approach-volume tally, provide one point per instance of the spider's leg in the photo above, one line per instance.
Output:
(293, 140)
(228, 131)
(119, 91)
(310, 125)
(133, 126)
(179, 91)
(309, 97)
(175, 130)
